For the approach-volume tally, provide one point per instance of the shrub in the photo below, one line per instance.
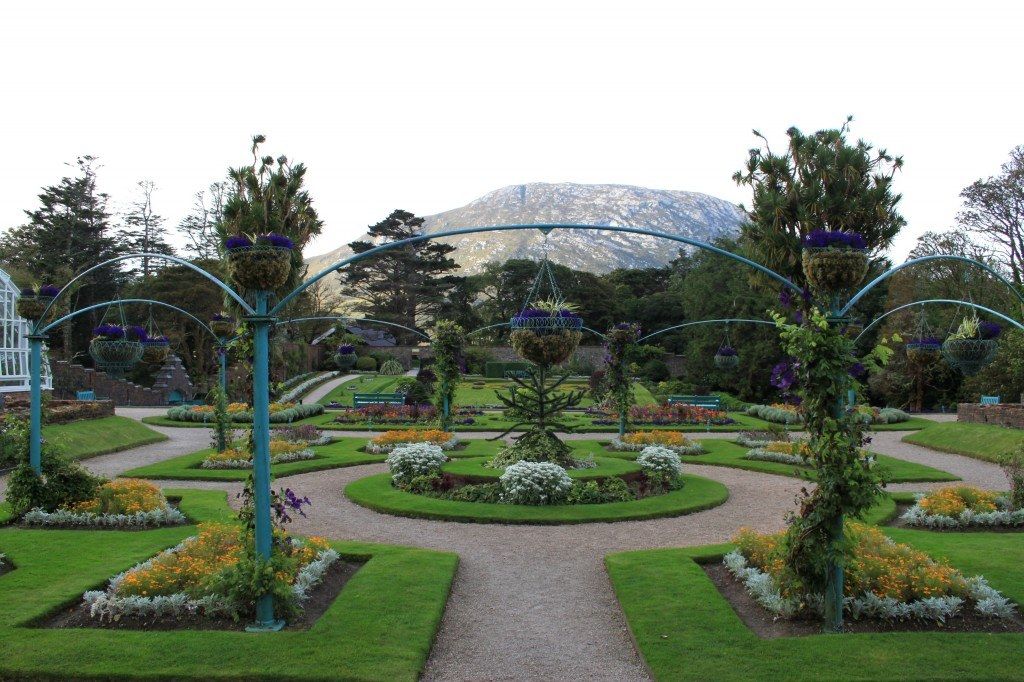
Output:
(416, 459)
(953, 500)
(655, 370)
(1013, 466)
(612, 489)
(392, 368)
(366, 364)
(123, 496)
(64, 483)
(657, 461)
(534, 483)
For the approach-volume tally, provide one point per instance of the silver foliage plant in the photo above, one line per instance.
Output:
(165, 516)
(1003, 517)
(534, 483)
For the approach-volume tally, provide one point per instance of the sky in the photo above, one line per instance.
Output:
(427, 105)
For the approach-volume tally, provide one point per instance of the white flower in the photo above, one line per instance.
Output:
(415, 459)
(534, 483)
(655, 459)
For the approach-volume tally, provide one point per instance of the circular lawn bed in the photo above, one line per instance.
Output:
(377, 493)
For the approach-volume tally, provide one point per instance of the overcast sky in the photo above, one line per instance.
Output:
(427, 105)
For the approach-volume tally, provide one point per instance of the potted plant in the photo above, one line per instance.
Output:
(546, 333)
(260, 264)
(834, 262)
(222, 324)
(32, 304)
(726, 357)
(923, 349)
(155, 349)
(972, 345)
(345, 358)
(112, 350)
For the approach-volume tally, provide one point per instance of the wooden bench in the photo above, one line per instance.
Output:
(989, 400)
(364, 399)
(712, 402)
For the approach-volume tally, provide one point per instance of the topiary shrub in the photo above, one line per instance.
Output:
(366, 364)
(535, 483)
(406, 462)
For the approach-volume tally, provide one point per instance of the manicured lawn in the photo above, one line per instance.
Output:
(381, 625)
(980, 441)
(344, 452)
(685, 630)
(92, 437)
(606, 466)
(368, 383)
(377, 493)
(728, 454)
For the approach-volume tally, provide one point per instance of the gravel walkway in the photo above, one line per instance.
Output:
(972, 471)
(323, 389)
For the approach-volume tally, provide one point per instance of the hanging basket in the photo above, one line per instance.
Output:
(344, 361)
(546, 347)
(259, 268)
(923, 352)
(727, 362)
(32, 307)
(115, 355)
(155, 351)
(222, 328)
(546, 324)
(834, 270)
(969, 355)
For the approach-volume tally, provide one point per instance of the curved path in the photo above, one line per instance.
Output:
(534, 602)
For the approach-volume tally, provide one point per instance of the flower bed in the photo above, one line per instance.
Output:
(281, 451)
(961, 507)
(387, 414)
(673, 440)
(783, 452)
(884, 580)
(190, 579)
(300, 388)
(663, 415)
(758, 439)
(121, 503)
(389, 440)
(280, 413)
(777, 413)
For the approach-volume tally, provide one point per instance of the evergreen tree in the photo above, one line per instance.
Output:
(406, 285)
(144, 231)
(68, 233)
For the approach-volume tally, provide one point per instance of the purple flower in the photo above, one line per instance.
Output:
(783, 375)
(221, 317)
(925, 341)
(237, 241)
(346, 349)
(819, 239)
(989, 330)
(274, 239)
(136, 333)
(156, 341)
(785, 298)
(858, 371)
(109, 331)
(726, 350)
(49, 290)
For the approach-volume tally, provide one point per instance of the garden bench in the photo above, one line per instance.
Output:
(712, 402)
(989, 400)
(364, 399)
(85, 395)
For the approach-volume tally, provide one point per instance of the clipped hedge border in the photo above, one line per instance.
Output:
(185, 413)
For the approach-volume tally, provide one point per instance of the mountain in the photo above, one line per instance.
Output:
(686, 214)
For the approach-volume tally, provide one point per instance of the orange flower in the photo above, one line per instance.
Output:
(401, 436)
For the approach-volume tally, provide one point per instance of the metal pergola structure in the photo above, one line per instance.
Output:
(261, 316)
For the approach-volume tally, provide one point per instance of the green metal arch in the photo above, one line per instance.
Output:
(946, 301)
(697, 322)
(544, 227)
(354, 319)
(81, 311)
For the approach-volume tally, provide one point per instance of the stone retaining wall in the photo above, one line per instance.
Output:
(1009, 415)
(171, 380)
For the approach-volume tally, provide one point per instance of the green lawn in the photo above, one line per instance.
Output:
(368, 383)
(377, 493)
(685, 630)
(381, 625)
(92, 437)
(980, 441)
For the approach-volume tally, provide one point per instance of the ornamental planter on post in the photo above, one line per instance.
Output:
(544, 337)
(834, 262)
(923, 351)
(222, 325)
(260, 265)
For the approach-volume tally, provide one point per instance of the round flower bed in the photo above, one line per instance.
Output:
(118, 504)
(834, 262)
(663, 415)
(672, 440)
(262, 264)
(777, 413)
(962, 507)
(389, 440)
(784, 452)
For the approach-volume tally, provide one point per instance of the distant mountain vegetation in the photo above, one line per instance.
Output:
(686, 214)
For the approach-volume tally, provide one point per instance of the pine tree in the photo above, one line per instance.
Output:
(144, 230)
(405, 285)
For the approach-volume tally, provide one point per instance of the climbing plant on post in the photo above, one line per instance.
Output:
(446, 341)
(621, 339)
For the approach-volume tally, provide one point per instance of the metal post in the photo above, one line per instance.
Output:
(622, 424)
(35, 375)
(834, 569)
(222, 357)
(261, 456)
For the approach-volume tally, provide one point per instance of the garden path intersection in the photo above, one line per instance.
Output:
(535, 602)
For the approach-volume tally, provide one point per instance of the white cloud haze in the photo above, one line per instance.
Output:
(427, 105)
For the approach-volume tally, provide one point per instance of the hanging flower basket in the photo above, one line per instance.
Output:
(155, 349)
(834, 262)
(345, 358)
(727, 358)
(923, 350)
(972, 346)
(222, 325)
(263, 265)
(112, 351)
(546, 336)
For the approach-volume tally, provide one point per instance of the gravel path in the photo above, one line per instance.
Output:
(323, 389)
(972, 471)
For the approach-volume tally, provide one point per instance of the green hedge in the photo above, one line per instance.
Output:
(185, 413)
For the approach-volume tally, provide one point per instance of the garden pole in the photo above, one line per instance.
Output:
(35, 375)
(222, 358)
(834, 568)
(261, 456)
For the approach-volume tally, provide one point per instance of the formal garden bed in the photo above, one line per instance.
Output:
(963, 508)
(673, 440)
(121, 504)
(379, 624)
(280, 413)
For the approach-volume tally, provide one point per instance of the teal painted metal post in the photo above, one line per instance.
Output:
(622, 424)
(261, 456)
(834, 569)
(222, 357)
(35, 377)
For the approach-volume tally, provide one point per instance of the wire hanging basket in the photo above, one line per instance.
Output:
(726, 357)
(924, 347)
(969, 356)
(546, 332)
(116, 348)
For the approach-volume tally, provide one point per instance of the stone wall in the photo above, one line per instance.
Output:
(1009, 415)
(69, 378)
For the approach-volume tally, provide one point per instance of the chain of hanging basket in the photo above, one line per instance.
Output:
(116, 348)
(726, 357)
(924, 347)
(155, 347)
